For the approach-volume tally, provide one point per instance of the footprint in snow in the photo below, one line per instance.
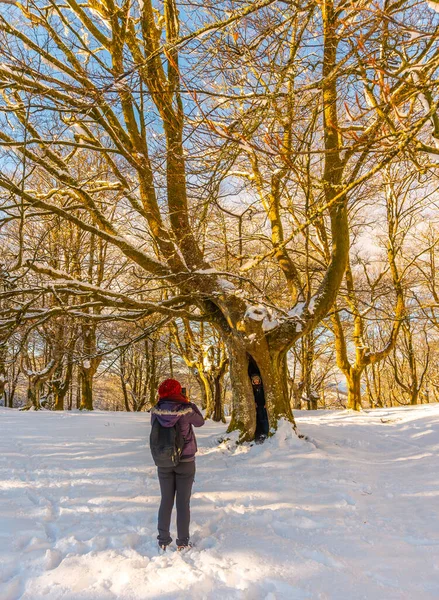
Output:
(323, 559)
(51, 532)
(13, 590)
(52, 559)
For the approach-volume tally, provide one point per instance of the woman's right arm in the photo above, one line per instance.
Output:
(196, 418)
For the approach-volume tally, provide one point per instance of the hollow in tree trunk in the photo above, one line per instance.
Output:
(273, 370)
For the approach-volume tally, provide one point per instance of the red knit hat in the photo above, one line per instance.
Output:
(169, 387)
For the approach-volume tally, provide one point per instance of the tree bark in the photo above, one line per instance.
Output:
(218, 413)
(218, 396)
(414, 397)
(89, 366)
(273, 369)
(354, 391)
(206, 393)
(87, 375)
(3, 372)
(243, 402)
(61, 385)
(202, 391)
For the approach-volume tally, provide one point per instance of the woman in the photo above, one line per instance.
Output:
(174, 409)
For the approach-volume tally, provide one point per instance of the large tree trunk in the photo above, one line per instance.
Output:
(243, 402)
(61, 384)
(59, 400)
(414, 396)
(273, 369)
(354, 390)
(36, 382)
(33, 396)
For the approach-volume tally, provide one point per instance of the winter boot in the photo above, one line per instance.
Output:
(184, 548)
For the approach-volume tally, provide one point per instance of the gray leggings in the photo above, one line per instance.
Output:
(175, 480)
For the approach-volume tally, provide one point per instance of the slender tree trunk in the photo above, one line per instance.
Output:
(125, 393)
(297, 395)
(3, 372)
(377, 384)
(86, 389)
(307, 371)
(203, 393)
(153, 380)
(70, 400)
(218, 413)
(78, 389)
(207, 393)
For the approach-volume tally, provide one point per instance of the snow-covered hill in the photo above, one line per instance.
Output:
(351, 513)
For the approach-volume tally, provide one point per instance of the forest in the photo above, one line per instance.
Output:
(187, 187)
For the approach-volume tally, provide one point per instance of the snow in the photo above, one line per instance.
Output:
(104, 21)
(312, 305)
(6, 68)
(297, 311)
(250, 264)
(226, 286)
(256, 313)
(350, 512)
(268, 324)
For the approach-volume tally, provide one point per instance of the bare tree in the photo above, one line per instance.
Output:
(120, 81)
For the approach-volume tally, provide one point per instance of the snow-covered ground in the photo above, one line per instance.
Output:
(353, 513)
